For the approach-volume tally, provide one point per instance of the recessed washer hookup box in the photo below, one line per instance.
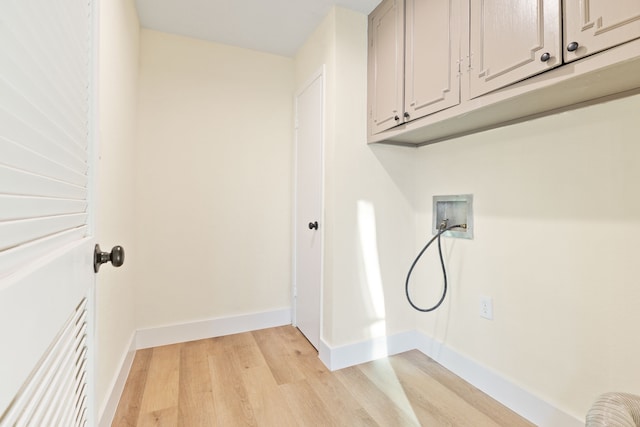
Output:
(454, 209)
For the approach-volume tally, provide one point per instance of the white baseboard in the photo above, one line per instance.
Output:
(172, 334)
(493, 384)
(153, 337)
(366, 351)
(514, 397)
(108, 410)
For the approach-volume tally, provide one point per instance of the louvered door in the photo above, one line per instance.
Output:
(46, 275)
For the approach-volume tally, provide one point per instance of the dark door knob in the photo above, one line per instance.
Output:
(396, 117)
(116, 257)
(545, 57)
(313, 225)
(573, 46)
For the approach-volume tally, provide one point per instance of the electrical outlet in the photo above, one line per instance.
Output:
(486, 307)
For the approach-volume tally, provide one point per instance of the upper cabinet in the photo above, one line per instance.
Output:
(595, 25)
(432, 56)
(442, 68)
(414, 60)
(386, 65)
(511, 41)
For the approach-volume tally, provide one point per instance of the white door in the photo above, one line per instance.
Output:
(308, 209)
(46, 245)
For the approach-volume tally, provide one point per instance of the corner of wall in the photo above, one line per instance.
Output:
(153, 337)
(344, 356)
(190, 331)
(108, 408)
(502, 389)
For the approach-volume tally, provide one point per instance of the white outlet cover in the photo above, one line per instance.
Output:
(486, 307)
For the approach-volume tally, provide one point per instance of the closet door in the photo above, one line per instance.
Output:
(512, 40)
(595, 25)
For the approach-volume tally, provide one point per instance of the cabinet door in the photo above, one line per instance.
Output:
(596, 25)
(510, 40)
(386, 65)
(432, 56)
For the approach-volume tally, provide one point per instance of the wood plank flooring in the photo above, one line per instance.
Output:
(273, 377)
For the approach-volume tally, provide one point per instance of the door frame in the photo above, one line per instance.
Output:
(318, 74)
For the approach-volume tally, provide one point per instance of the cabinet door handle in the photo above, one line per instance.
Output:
(406, 115)
(573, 46)
(396, 118)
(545, 57)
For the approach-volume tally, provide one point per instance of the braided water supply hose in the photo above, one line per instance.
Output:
(441, 230)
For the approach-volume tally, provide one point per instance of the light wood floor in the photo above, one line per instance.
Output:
(273, 377)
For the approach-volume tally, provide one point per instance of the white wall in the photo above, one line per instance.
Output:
(213, 181)
(369, 221)
(556, 216)
(115, 222)
(557, 221)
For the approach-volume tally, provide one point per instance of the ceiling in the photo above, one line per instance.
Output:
(275, 26)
